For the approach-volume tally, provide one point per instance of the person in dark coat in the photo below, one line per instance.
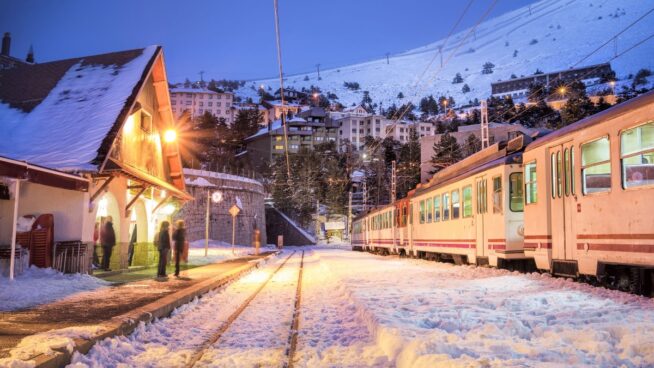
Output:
(164, 248)
(107, 240)
(179, 237)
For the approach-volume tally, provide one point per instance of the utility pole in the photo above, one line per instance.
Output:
(440, 51)
(318, 68)
(387, 60)
(484, 125)
(393, 181)
(318, 220)
(365, 197)
(349, 215)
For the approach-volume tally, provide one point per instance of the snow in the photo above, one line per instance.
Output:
(199, 182)
(217, 175)
(218, 251)
(566, 31)
(362, 310)
(43, 285)
(88, 96)
(298, 227)
(277, 124)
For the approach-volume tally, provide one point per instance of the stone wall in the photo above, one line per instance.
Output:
(250, 193)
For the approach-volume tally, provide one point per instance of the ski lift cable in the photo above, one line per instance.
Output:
(558, 77)
(465, 38)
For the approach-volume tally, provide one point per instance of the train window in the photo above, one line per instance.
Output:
(516, 203)
(531, 188)
(437, 208)
(559, 175)
(553, 172)
(422, 212)
(497, 194)
(446, 207)
(429, 210)
(637, 156)
(455, 204)
(411, 214)
(572, 170)
(482, 197)
(566, 171)
(596, 166)
(467, 201)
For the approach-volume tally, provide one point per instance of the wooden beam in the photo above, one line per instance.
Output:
(131, 203)
(161, 203)
(102, 188)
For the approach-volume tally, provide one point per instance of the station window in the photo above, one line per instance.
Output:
(497, 194)
(455, 204)
(516, 203)
(437, 208)
(429, 210)
(637, 156)
(467, 201)
(596, 166)
(531, 188)
(446, 207)
(422, 212)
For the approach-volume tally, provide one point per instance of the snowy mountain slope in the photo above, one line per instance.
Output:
(550, 35)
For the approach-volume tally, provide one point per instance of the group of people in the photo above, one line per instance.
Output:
(107, 237)
(164, 242)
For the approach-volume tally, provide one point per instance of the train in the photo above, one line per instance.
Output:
(577, 202)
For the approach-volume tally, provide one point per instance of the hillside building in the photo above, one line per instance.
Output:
(197, 101)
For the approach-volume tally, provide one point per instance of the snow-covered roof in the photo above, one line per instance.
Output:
(279, 103)
(297, 119)
(277, 124)
(62, 114)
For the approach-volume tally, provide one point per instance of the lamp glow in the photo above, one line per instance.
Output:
(217, 196)
(170, 136)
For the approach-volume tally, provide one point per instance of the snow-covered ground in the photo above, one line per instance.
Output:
(364, 310)
(42, 285)
(217, 251)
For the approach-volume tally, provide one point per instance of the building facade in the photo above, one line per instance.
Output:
(354, 128)
(197, 101)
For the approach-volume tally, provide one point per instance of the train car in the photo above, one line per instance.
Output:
(380, 236)
(402, 232)
(358, 233)
(471, 212)
(589, 197)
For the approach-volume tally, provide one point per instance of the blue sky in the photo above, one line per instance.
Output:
(235, 39)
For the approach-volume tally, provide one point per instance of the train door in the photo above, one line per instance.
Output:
(480, 214)
(562, 197)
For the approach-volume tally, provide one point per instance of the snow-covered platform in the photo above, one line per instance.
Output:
(47, 311)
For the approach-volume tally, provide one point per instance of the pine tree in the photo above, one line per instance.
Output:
(408, 168)
(472, 145)
(465, 88)
(446, 152)
(400, 96)
(487, 68)
(457, 79)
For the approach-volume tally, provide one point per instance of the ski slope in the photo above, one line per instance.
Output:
(550, 35)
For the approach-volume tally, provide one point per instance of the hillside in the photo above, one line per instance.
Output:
(552, 35)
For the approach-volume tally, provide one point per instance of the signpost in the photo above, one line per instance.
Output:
(215, 197)
(234, 211)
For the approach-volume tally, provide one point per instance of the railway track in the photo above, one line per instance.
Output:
(213, 340)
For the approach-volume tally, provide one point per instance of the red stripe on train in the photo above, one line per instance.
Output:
(630, 248)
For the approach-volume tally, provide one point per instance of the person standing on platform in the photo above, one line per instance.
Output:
(164, 248)
(179, 237)
(107, 240)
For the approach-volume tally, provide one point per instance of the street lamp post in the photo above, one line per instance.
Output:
(215, 197)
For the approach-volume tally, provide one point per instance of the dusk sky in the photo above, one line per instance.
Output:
(235, 39)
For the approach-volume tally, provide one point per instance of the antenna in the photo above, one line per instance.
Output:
(484, 125)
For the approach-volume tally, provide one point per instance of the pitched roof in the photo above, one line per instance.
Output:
(65, 114)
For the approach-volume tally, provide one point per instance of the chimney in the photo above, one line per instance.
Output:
(6, 44)
(30, 55)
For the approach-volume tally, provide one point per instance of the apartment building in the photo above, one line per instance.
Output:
(198, 101)
(356, 127)
(306, 129)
